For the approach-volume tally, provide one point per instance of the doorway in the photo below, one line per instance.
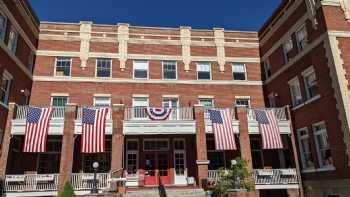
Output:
(157, 168)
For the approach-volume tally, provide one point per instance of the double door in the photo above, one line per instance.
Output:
(156, 165)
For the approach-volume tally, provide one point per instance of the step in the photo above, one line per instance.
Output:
(167, 193)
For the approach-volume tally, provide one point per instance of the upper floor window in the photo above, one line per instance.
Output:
(102, 101)
(238, 71)
(3, 22)
(63, 66)
(242, 102)
(294, 89)
(31, 61)
(203, 70)
(267, 68)
(310, 83)
(322, 145)
(59, 101)
(302, 38)
(287, 47)
(272, 100)
(139, 104)
(140, 69)
(305, 148)
(103, 67)
(169, 70)
(206, 102)
(5, 86)
(12, 43)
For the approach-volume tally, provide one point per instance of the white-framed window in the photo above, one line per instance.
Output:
(103, 67)
(31, 58)
(63, 66)
(59, 101)
(169, 70)
(12, 42)
(287, 47)
(242, 102)
(302, 38)
(206, 102)
(139, 104)
(3, 24)
(102, 101)
(5, 87)
(305, 148)
(294, 90)
(172, 102)
(203, 70)
(322, 146)
(141, 69)
(132, 150)
(267, 68)
(310, 83)
(239, 71)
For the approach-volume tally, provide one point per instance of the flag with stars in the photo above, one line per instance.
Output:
(269, 130)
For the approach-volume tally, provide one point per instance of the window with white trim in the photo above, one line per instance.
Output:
(322, 146)
(59, 101)
(242, 102)
(305, 148)
(294, 90)
(267, 68)
(203, 70)
(140, 69)
(310, 83)
(63, 66)
(169, 70)
(206, 102)
(3, 23)
(239, 71)
(287, 47)
(302, 38)
(103, 67)
(132, 149)
(5, 87)
(139, 104)
(102, 101)
(12, 42)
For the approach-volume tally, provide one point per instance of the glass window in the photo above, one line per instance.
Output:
(13, 38)
(206, 102)
(310, 83)
(287, 47)
(3, 21)
(238, 71)
(294, 89)
(305, 148)
(59, 101)
(203, 70)
(103, 67)
(63, 66)
(1, 135)
(5, 86)
(31, 61)
(155, 145)
(102, 101)
(169, 70)
(267, 68)
(139, 104)
(272, 100)
(131, 163)
(140, 69)
(302, 38)
(245, 102)
(322, 145)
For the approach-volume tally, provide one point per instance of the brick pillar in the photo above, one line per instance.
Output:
(293, 192)
(117, 137)
(244, 142)
(201, 145)
(5, 146)
(67, 149)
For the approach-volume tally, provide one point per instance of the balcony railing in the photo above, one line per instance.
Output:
(280, 113)
(57, 113)
(84, 181)
(139, 113)
(80, 112)
(31, 183)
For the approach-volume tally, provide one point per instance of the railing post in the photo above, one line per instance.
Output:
(5, 146)
(117, 137)
(67, 150)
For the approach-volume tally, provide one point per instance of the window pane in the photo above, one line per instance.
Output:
(102, 101)
(203, 75)
(169, 70)
(2, 27)
(203, 70)
(63, 65)
(59, 101)
(103, 67)
(12, 43)
(5, 86)
(206, 102)
(242, 102)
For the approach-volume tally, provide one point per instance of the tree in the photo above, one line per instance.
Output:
(67, 190)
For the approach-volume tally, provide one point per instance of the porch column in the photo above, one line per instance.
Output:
(117, 137)
(5, 146)
(67, 150)
(244, 142)
(201, 145)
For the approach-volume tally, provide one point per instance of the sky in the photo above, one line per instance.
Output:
(243, 15)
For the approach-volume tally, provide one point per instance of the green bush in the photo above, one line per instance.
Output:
(67, 190)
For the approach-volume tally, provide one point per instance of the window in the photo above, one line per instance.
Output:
(3, 22)
(140, 69)
(102, 101)
(287, 47)
(242, 102)
(5, 87)
(305, 148)
(310, 83)
(272, 100)
(103, 67)
(63, 66)
(155, 145)
(59, 101)
(1, 135)
(302, 38)
(31, 61)
(169, 70)
(267, 68)
(206, 102)
(203, 70)
(238, 71)
(171, 103)
(12, 43)
(294, 89)
(257, 153)
(322, 145)
(139, 104)
(132, 157)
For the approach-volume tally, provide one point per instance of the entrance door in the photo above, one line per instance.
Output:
(180, 167)
(156, 168)
(150, 169)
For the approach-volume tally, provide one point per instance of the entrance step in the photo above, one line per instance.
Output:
(167, 192)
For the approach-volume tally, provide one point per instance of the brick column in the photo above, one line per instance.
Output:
(67, 149)
(201, 145)
(293, 193)
(117, 137)
(5, 146)
(244, 142)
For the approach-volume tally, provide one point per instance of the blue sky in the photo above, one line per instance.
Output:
(245, 15)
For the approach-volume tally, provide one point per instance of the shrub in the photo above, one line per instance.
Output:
(67, 190)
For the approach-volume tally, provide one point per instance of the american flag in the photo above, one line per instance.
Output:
(223, 130)
(37, 126)
(93, 130)
(269, 129)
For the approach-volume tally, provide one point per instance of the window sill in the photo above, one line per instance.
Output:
(306, 102)
(323, 169)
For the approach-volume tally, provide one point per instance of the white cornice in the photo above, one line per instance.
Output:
(339, 33)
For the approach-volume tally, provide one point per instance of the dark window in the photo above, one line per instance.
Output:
(103, 67)
(63, 65)
(169, 70)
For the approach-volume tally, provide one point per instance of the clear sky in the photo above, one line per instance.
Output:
(247, 15)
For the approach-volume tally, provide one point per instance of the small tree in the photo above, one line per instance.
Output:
(67, 190)
(226, 181)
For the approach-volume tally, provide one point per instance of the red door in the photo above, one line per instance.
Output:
(157, 168)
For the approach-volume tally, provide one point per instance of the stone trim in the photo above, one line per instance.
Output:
(123, 37)
(85, 36)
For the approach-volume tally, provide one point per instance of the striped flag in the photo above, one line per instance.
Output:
(269, 129)
(37, 126)
(223, 130)
(93, 130)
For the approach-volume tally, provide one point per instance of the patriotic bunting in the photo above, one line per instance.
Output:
(158, 113)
